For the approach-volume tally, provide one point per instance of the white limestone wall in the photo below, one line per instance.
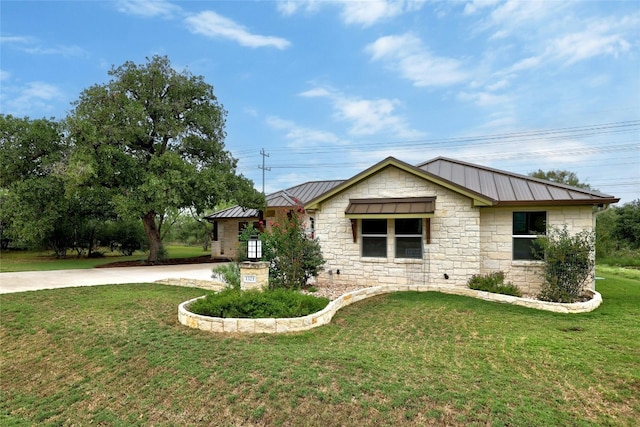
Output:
(496, 241)
(455, 236)
(227, 244)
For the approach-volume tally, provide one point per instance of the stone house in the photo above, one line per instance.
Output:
(441, 221)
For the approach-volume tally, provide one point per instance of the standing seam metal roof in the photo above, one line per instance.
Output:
(300, 194)
(509, 188)
(500, 187)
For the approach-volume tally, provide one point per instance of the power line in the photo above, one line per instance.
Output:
(484, 140)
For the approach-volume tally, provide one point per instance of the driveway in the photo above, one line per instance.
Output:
(37, 280)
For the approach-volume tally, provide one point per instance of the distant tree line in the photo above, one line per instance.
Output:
(132, 157)
(617, 228)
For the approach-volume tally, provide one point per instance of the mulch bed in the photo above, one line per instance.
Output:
(174, 261)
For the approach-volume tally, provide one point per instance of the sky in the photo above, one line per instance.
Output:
(326, 89)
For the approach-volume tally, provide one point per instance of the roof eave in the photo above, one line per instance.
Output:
(571, 202)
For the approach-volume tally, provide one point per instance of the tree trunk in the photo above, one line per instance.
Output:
(153, 236)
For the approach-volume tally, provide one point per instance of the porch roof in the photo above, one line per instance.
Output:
(391, 207)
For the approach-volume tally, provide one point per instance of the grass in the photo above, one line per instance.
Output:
(116, 355)
(622, 258)
(43, 260)
(628, 273)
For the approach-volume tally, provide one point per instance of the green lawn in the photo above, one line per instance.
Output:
(116, 356)
(40, 261)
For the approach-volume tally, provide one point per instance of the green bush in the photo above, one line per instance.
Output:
(494, 283)
(254, 304)
(569, 263)
(294, 256)
(229, 274)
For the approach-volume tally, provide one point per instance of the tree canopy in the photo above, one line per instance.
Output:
(28, 148)
(154, 137)
(561, 177)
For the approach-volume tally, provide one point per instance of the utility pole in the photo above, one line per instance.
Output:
(263, 154)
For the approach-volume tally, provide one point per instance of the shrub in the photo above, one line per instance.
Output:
(229, 274)
(568, 264)
(254, 304)
(294, 256)
(494, 283)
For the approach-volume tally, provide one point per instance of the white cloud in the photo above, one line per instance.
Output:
(575, 47)
(291, 7)
(406, 55)
(367, 13)
(35, 96)
(301, 136)
(526, 64)
(33, 46)
(362, 12)
(367, 116)
(16, 39)
(601, 38)
(4, 75)
(148, 8)
(501, 84)
(474, 5)
(514, 16)
(483, 99)
(210, 24)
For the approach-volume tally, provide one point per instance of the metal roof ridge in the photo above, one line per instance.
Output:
(520, 176)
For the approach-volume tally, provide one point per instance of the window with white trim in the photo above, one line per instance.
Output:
(374, 238)
(408, 237)
(527, 226)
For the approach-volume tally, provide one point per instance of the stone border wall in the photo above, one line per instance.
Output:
(323, 317)
(209, 285)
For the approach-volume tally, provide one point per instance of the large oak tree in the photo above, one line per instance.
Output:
(156, 137)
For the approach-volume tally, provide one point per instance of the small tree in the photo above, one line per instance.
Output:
(569, 263)
(294, 257)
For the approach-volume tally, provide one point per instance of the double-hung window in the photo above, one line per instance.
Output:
(374, 238)
(527, 226)
(408, 237)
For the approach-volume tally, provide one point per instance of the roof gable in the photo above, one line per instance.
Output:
(479, 199)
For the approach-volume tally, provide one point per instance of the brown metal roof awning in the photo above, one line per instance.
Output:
(408, 207)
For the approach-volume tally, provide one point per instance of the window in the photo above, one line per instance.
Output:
(374, 238)
(244, 224)
(408, 238)
(526, 227)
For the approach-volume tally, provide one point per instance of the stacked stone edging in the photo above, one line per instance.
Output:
(323, 317)
(209, 285)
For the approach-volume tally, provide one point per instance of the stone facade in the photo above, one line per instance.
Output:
(455, 236)
(464, 239)
(226, 246)
(497, 242)
(459, 240)
(254, 275)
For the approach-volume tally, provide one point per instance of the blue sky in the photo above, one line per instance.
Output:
(328, 88)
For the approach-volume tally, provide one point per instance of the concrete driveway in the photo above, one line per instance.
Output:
(37, 280)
